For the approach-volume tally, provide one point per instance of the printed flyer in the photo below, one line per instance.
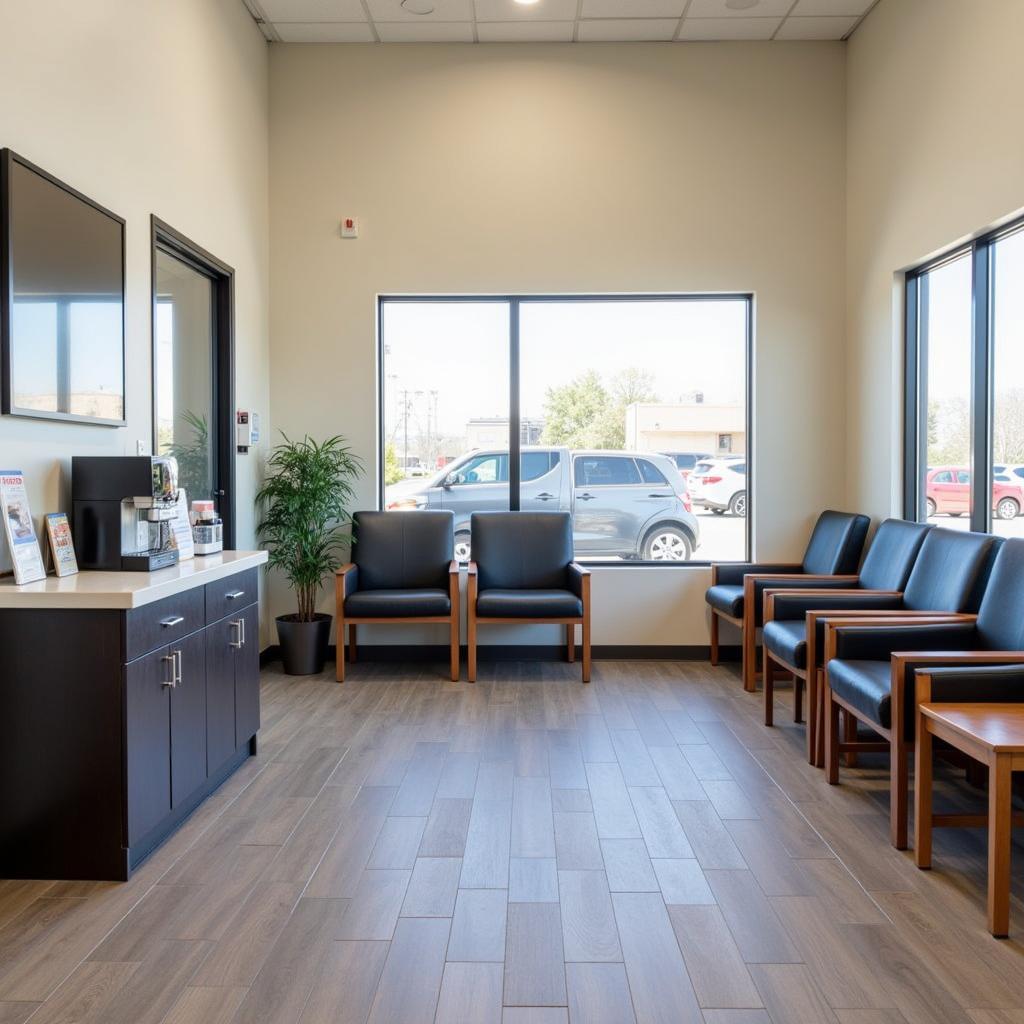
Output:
(62, 547)
(26, 556)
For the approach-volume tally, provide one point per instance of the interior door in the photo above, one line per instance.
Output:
(188, 718)
(148, 728)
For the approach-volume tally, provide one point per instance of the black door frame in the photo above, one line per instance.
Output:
(164, 238)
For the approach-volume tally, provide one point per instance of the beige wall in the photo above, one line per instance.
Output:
(690, 167)
(935, 154)
(146, 106)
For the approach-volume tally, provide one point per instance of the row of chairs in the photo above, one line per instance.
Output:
(403, 570)
(943, 601)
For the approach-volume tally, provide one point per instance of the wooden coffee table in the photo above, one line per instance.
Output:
(994, 735)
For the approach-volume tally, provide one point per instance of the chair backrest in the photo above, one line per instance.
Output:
(951, 571)
(521, 550)
(892, 554)
(836, 543)
(1001, 616)
(403, 550)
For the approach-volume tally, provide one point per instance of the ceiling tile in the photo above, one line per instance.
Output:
(323, 32)
(722, 9)
(313, 10)
(815, 28)
(425, 32)
(625, 30)
(442, 10)
(729, 28)
(834, 7)
(525, 31)
(633, 8)
(508, 10)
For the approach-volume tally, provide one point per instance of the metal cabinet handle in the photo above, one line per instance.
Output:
(177, 659)
(173, 681)
(237, 624)
(172, 620)
(233, 595)
(241, 622)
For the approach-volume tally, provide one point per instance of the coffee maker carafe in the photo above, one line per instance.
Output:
(122, 508)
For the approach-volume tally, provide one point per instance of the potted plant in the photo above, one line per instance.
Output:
(304, 527)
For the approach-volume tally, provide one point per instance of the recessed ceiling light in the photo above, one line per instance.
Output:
(418, 6)
(741, 5)
(527, 3)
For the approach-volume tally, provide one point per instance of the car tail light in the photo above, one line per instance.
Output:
(711, 480)
(685, 499)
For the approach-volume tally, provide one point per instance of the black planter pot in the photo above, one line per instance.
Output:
(303, 644)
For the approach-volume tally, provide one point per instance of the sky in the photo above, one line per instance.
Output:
(461, 351)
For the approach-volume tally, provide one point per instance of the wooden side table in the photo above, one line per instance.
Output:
(994, 735)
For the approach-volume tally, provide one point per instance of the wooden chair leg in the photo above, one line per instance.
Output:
(768, 681)
(714, 637)
(831, 737)
(749, 655)
(586, 642)
(352, 644)
(899, 790)
(999, 823)
(471, 645)
(812, 715)
(850, 736)
(339, 649)
(819, 746)
(798, 698)
(923, 798)
(570, 642)
(453, 645)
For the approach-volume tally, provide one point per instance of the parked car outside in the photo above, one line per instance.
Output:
(685, 461)
(623, 504)
(720, 485)
(948, 492)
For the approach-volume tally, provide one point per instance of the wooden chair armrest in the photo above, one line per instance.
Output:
(770, 594)
(958, 657)
(471, 568)
(786, 575)
(343, 569)
(582, 570)
(453, 567)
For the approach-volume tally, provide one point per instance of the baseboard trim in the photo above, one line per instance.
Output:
(530, 652)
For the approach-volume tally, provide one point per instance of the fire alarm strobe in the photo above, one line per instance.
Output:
(350, 227)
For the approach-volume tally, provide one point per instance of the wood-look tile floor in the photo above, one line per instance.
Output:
(527, 850)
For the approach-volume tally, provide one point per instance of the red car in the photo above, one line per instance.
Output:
(948, 490)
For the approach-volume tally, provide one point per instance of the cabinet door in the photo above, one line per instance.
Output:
(148, 741)
(220, 693)
(247, 677)
(188, 718)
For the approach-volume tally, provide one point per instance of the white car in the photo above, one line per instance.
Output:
(720, 485)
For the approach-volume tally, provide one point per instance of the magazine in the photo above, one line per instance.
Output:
(26, 556)
(62, 547)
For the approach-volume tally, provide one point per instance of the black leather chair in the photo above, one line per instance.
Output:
(785, 641)
(869, 664)
(736, 591)
(523, 571)
(403, 570)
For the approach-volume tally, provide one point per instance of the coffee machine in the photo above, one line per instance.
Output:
(122, 507)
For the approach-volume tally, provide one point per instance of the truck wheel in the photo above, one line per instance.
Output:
(1008, 509)
(463, 552)
(738, 504)
(667, 544)
(930, 508)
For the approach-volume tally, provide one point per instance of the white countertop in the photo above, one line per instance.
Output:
(125, 589)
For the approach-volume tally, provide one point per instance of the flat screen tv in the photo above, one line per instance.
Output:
(62, 274)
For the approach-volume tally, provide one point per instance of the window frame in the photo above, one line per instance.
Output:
(980, 252)
(514, 301)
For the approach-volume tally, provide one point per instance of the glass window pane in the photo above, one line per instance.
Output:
(184, 373)
(446, 408)
(665, 379)
(1008, 385)
(945, 342)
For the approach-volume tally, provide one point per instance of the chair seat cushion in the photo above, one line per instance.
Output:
(726, 598)
(397, 604)
(528, 604)
(787, 640)
(865, 685)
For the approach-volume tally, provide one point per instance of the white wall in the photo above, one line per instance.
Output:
(634, 167)
(146, 106)
(935, 154)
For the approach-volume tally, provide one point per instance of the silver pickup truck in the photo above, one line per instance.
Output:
(631, 505)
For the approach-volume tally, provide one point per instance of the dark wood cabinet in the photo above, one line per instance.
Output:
(116, 724)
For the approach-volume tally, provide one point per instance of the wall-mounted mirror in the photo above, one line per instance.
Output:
(61, 299)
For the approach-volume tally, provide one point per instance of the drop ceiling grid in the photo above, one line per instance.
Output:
(549, 20)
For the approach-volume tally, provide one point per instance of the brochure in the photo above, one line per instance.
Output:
(181, 528)
(62, 547)
(26, 556)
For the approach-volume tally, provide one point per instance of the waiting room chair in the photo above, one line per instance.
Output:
(869, 666)
(786, 642)
(402, 570)
(737, 588)
(523, 572)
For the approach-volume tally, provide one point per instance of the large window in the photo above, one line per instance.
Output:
(964, 419)
(631, 413)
